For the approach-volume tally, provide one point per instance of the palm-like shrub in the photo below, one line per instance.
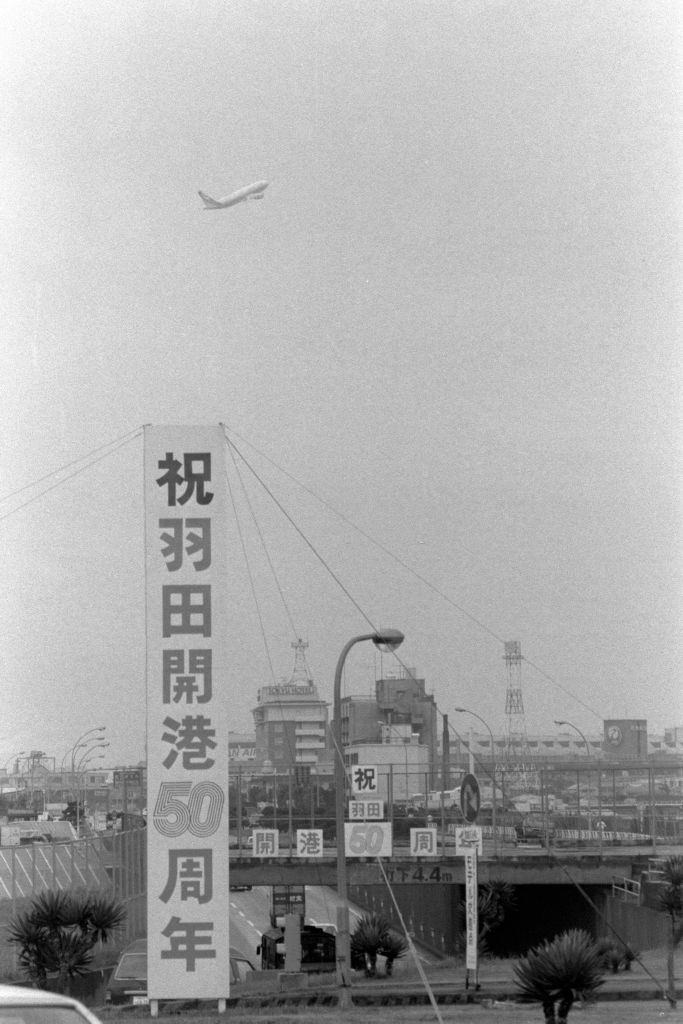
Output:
(671, 902)
(495, 900)
(559, 971)
(393, 948)
(371, 937)
(367, 939)
(57, 933)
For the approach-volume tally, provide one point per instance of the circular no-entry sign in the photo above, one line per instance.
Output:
(470, 798)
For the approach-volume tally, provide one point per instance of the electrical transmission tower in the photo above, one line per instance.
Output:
(518, 756)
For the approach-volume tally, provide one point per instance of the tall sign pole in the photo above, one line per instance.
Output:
(469, 840)
(187, 569)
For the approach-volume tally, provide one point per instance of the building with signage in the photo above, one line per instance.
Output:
(291, 720)
(402, 768)
(242, 747)
(620, 740)
(402, 718)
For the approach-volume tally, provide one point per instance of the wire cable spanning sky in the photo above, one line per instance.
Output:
(454, 314)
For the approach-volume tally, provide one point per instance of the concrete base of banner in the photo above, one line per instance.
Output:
(292, 982)
(262, 981)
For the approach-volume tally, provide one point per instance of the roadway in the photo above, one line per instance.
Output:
(250, 915)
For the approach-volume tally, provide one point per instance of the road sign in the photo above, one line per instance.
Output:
(470, 798)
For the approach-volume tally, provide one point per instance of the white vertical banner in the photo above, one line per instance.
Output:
(188, 890)
(471, 909)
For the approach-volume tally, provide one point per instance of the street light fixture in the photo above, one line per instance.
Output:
(466, 711)
(77, 746)
(386, 640)
(15, 758)
(561, 722)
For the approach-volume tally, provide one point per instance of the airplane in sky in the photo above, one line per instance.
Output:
(254, 191)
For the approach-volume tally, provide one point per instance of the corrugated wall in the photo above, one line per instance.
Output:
(642, 927)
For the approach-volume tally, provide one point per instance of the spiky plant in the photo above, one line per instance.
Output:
(393, 948)
(610, 954)
(670, 900)
(58, 931)
(558, 972)
(495, 899)
(367, 940)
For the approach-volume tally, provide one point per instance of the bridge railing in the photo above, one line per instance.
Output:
(591, 802)
(626, 889)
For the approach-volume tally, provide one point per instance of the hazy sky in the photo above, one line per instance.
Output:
(453, 316)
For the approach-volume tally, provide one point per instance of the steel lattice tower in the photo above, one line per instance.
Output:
(517, 751)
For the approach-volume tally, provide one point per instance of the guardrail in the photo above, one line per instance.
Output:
(626, 889)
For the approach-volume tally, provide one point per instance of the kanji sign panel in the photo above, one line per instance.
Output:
(369, 839)
(366, 810)
(188, 689)
(471, 911)
(266, 842)
(423, 842)
(468, 838)
(470, 798)
(309, 842)
(364, 780)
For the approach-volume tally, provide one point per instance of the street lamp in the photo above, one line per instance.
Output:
(85, 760)
(77, 746)
(385, 640)
(578, 787)
(15, 758)
(404, 741)
(466, 711)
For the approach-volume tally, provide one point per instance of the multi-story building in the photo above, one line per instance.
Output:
(401, 718)
(291, 720)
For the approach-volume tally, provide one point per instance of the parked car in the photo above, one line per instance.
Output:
(128, 981)
(533, 829)
(33, 1006)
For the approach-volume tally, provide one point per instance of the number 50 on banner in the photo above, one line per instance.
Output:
(367, 839)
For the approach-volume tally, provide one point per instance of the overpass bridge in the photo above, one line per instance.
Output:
(553, 890)
(523, 867)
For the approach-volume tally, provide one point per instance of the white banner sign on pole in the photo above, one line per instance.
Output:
(188, 890)
(467, 838)
(471, 910)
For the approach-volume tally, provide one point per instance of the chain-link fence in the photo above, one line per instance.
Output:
(562, 804)
(112, 865)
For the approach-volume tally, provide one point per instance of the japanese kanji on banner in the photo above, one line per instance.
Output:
(364, 781)
(423, 842)
(309, 842)
(266, 842)
(366, 810)
(188, 890)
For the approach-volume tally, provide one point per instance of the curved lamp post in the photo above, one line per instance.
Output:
(386, 640)
(77, 746)
(571, 725)
(466, 711)
(15, 758)
(79, 743)
(81, 769)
